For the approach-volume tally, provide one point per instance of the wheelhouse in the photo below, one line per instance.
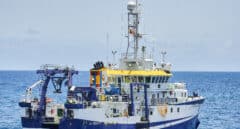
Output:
(104, 77)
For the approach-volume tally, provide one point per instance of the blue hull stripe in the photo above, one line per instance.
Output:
(35, 123)
(200, 101)
(86, 124)
(31, 123)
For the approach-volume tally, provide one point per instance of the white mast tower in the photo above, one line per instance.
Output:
(132, 60)
(133, 23)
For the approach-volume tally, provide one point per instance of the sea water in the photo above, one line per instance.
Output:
(221, 109)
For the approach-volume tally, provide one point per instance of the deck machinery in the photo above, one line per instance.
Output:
(41, 112)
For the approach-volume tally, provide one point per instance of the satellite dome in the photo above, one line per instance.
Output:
(131, 5)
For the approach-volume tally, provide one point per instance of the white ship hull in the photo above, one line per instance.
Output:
(185, 118)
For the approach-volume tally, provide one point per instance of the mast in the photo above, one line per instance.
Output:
(133, 27)
(163, 53)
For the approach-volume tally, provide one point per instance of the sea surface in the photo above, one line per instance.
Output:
(221, 109)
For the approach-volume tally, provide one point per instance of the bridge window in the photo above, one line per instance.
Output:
(171, 109)
(119, 80)
(166, 79)
(134, 79)
(148, 79)
(153, 79)
(160, 79)
(127, 79)
(157, 78)
(140, 79)
(163, 80)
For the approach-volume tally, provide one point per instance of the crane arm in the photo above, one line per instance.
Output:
(29, 89)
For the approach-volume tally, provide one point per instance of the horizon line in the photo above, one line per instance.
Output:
(26, 70)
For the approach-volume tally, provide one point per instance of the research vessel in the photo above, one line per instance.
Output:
(133, 94)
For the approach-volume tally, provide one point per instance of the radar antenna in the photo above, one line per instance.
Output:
(163, 53)
(114, 52)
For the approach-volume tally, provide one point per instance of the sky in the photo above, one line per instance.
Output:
(198, 35)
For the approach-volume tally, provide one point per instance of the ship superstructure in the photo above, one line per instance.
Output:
(134, 94)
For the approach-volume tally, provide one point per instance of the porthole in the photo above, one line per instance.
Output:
(151, 112)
